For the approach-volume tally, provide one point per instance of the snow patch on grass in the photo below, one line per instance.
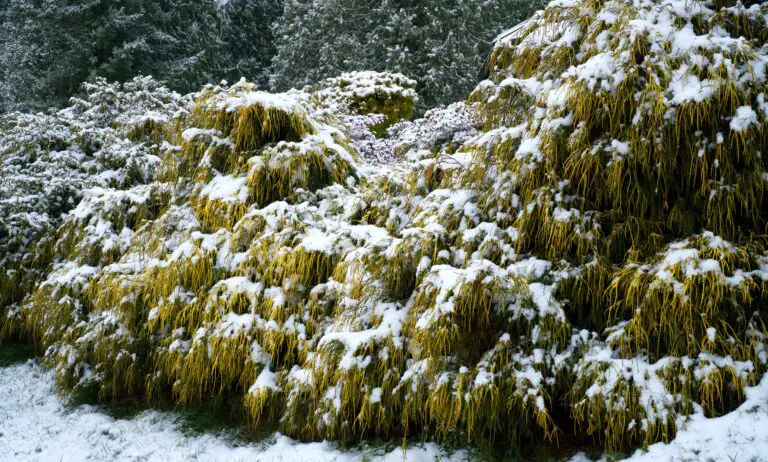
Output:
(36, 426)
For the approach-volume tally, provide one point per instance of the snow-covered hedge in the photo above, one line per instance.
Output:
(594, 256)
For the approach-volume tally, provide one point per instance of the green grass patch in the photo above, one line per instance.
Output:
(18, 353)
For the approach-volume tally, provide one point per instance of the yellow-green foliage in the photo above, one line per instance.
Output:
(14, 285)
(248, 147)
(49, 313)
(19, 278)
(387, 94)
(472, 344)
(631, 153)
(199, 151)
(385, 197)
(700, 284)
(309, 164)
(215, 214)
(148, 130)
(252, 118)
(99, 230)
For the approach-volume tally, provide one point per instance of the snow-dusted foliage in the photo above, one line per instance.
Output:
(374, 109)
(50, 47)
(283, 271)
(370, 93)
(440, 44)
(594, 255)
(246, 44)
(107, 139)
(626, 142)
(442, 129)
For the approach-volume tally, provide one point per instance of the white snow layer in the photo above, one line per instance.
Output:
(35, 426)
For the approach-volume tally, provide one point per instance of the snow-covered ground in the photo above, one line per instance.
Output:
(35, 426)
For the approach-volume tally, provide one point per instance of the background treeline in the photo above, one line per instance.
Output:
(49, 47)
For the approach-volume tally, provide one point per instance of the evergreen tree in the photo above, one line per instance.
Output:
(441, 44)
(247, 41)
(52, 46)
(3, 40)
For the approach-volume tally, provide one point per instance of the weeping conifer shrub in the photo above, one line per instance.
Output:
(627, 140)
(334, 302)
(162, 311)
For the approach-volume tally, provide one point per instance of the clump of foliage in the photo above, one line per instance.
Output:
(389, 97)
(634, 160)
(110, 138)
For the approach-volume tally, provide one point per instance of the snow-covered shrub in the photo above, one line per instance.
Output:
(139, 107)
(596, 252)
(370, 93)
(626, 140)
(255, 147)
(49, 160)
(441, 129)
(267, 264)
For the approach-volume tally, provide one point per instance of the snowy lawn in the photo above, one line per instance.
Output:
(35, 426)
